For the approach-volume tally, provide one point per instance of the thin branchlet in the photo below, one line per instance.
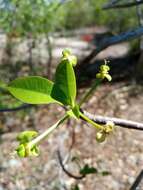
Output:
(117, 121)
(124, 5)
(65, 170)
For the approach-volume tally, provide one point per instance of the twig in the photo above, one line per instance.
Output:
(114, 2)
(137, 181)
(49, 62)
(125, 36)
(97, 118)
(90, 91)
(125, 5)
(117, 121)
(65, 170)
(72, 137)
(139, 13)
(24, 106)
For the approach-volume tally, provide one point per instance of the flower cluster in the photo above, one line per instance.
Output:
(26, 148)
(104, 72)
(102, 134)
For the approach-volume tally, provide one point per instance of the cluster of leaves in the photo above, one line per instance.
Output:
(25, 148)
(44, 16)
(39, 90)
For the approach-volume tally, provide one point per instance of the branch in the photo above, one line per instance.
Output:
(138, 180)
(125, 36)
(97, 118)
(24, 106)
(120, 122)
(114, 2)
(65, 170)
(125, 5)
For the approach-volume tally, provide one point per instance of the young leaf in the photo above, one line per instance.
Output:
(32, 90)
(64, 89)
(88, 170)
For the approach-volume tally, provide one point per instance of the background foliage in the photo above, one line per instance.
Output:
(39, 16)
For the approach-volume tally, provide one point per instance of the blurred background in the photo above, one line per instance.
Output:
(33, 34)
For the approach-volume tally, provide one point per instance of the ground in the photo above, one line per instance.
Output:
(121, 155)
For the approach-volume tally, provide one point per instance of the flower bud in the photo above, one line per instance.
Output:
(21, 151)
(26, 136)
(26, 150)
(66, 53)
(72, 60)
(109, 127)
(100, 136)
(104, 68)
(103, 73)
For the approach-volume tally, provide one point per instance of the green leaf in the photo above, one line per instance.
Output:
(64, 89)
(88, 170)
(32, 90)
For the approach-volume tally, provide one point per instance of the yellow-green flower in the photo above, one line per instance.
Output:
(104, 72)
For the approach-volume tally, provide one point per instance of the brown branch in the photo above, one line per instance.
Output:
(114, 2)
(22, 107)
(125, 5)
(125, 36)
(117, 121)
(65, 170)
(137, 182)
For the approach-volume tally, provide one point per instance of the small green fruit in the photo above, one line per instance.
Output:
(100, 136)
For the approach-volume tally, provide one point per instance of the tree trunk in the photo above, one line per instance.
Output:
(139, 68)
